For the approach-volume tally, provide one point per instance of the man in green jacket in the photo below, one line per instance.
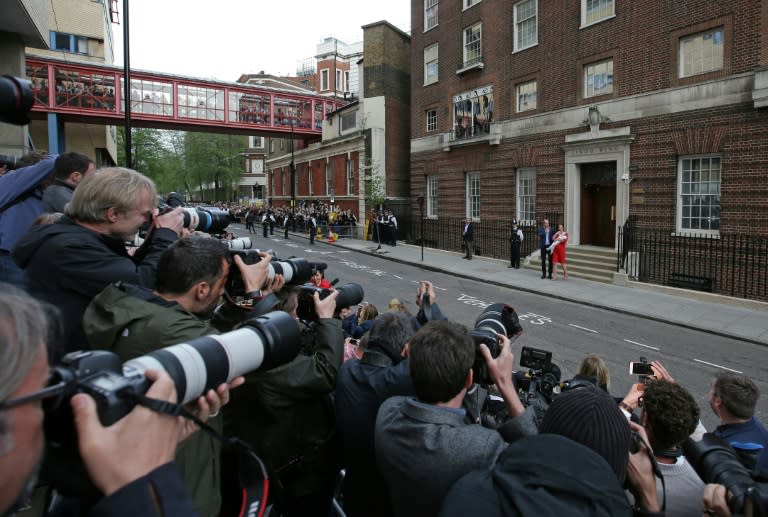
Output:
(287, 415)
(132, 321)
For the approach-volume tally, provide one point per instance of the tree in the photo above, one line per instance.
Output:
(214, 163)
(375, 187)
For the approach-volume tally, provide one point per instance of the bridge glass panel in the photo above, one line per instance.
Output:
(288, 112)
(319, 115)
(152, 97)
(201, 103)
(84, 90)
(249, 108)
(38, 74)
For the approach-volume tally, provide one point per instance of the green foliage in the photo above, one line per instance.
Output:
(375, 188)
(206, 167)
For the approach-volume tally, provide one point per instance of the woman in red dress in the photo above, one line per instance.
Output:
(318, 279)
(559, 240)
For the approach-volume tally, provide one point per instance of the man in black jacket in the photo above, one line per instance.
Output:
(71, 261)
(467, 235)
(71, 169)
(362, 387)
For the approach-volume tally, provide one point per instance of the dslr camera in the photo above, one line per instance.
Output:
(196, 366)
(295, 271)
(498, 318)
(716, 462)
(349, 294)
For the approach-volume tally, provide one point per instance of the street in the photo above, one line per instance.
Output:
(569, 330)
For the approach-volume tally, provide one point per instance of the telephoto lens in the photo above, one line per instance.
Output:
(241, 243)
(204, 363)
(497, 318)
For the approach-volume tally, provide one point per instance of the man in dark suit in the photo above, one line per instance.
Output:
(424, 444)
(467, 236)
(545, 239)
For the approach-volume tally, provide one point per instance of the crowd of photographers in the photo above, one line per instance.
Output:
(421, 415)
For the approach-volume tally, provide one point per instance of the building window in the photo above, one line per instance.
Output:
(324, 86)
(470, 3)
(432, 120)
(431, 196)
(593, 11)
(473, 195)
(526, 196)
(431, 64)
(701, 52)
(526, 28)
(598, 78)
(69, 43)
(310, 178)
(339, 80)
(526, 96)
(257, 142)
(346, 80)
(350, 177)
(473, 50)
(348, 121)
(328, 178)
(430, 14)
(271, 145)
(472, 112)
(699, 194)
(282, 183)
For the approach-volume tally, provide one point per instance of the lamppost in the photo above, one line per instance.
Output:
(292, 168)
(420, 201)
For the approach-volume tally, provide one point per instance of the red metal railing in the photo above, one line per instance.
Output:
(94, 91)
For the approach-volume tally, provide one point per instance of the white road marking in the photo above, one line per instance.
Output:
(398, 277)
(717, 366)
(642, 345)
(583, 328)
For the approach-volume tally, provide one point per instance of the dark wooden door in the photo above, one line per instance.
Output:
(598, 204)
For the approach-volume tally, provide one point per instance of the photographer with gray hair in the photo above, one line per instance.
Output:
(71, 261)
(130, 462)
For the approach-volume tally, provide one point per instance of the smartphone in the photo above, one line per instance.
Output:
(640, 369)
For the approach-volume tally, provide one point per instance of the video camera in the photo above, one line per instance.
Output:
(295, 271)
(497, 318)
(196, 366)
(542, 377)
(16, 100)
(716, 462)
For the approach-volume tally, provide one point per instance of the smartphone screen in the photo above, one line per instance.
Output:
(640, 369)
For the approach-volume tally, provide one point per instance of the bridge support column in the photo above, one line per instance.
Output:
(55, 134)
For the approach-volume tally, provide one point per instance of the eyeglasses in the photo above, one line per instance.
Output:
(45, 393)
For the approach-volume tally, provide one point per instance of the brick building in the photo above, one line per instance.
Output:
(365, 143)
(594, 110)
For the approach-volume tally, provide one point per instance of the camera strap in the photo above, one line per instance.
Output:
(254, 480)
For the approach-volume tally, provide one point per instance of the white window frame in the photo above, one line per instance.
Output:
(325, 75)
(346, 80)
(431, 57)
(350, 177)
(339, 80)
(473, 195)
(431, 120)
(430, 14)
(468, 46)
(432, 184)
(470, 3)
(520, 94)
(520, 23)
(590, 69)
(283, 182)
(692, 47)
(698, 180)
(602, 5)
(526, 195)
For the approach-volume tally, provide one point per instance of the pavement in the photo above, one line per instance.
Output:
(737, 318)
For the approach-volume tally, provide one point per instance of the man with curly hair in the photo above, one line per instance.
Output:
(669, 415)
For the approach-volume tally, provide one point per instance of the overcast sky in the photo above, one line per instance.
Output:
(226, 38)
